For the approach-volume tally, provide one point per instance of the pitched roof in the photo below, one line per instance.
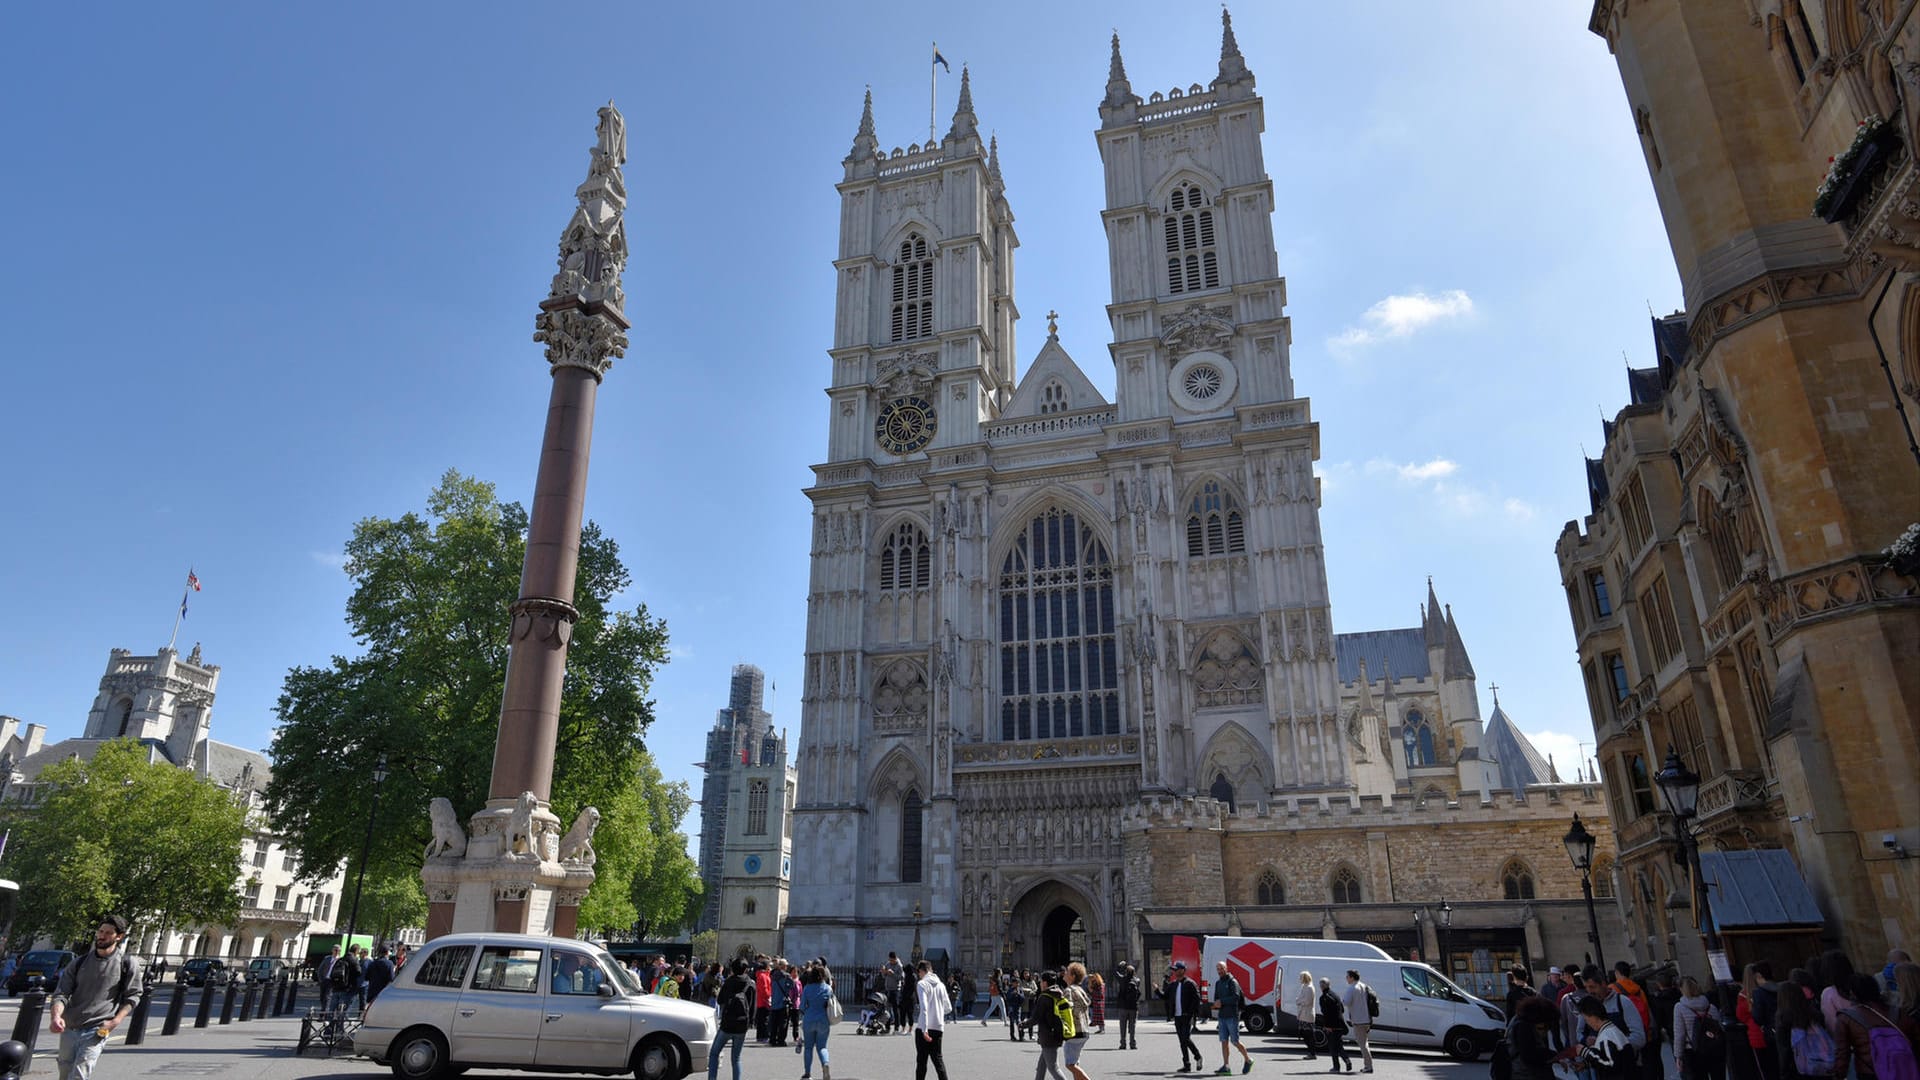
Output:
(1053, 363)
(1761, 888)
(1517, 764)
(1402, 651)
(225, 766)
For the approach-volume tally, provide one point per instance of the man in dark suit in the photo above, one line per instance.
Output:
(1183, 1000)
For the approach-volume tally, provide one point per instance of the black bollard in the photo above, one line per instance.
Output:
(293, 997)
(175, 1006)
(205, 1013)
(137, 1023)
(26, 1026)
(280, 999)
(226, 1005)
(249, 1001)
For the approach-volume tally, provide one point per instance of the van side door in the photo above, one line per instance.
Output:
(1418, 1012)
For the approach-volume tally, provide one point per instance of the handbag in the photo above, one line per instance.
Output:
(835, 1011)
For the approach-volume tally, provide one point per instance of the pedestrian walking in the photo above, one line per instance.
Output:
(816, 1022)
(1183, 998)
(94, 996)
(736, 1019)
(1332, 1020)
(1227, 1000)
(1127, 998)
(1097, 993)
(996, 999)
(1076, 976)
(1048, 1034)
(1304, 1001)
(1358, 1003)
(929, 1024)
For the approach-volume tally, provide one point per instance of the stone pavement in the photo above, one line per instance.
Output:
(263, 1050)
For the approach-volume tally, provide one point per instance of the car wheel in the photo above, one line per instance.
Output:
(1258, 1021)
(1462, 1044)
(658, 1057)
(419, 1054)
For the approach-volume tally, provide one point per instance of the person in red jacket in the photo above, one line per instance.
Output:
(762, 1002)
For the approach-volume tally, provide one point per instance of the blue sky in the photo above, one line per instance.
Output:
(270, 269)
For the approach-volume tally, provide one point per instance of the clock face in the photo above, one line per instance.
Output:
(752, 864)
(905, 425)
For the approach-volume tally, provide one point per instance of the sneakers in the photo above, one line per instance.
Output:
(1223, 1071)
(1247, 1066)
(1367, 1068)
(825, 1073)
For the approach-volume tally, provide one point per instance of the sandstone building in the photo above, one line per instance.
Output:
(1731, 593)
(1072, 678)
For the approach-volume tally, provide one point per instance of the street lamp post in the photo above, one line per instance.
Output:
(366, 847)
(1446, 920)
(1681, 787)
(1580, 849)
(917, 952)
(1006, 943)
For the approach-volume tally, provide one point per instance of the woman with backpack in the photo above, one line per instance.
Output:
(1048, 1033)
(1751, 1010)
(736, 1019)
(1869, 1040)
(1699, 1040)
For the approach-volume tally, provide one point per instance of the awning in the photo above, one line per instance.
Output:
(1752, 890)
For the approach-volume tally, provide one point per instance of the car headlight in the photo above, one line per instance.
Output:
(1493, 1013)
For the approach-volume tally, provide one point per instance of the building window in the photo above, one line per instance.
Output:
(260, 853)
(756, 808)
(280, 897)
(1603, 878)
(286, 860)
(913, 290)
(1418, 737)
(1656, 613)
(1214, 524)
(1617, 676)
(912, 812)
(1222, 791)
(1270, 892)
(1346, 886)
(324, 907)
(1053, 397)
(907, 560)
(253, 894)
(1686, 735)
(1640, 784)
(749, 905)
(1516, 881)
(1192, 259)
(126, 717)
(1633, 513)
(1597, 588)
(1059, 674)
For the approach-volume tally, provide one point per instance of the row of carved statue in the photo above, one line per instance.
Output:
(525, 837)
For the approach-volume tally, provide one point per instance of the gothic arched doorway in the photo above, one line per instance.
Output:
(1063, 938)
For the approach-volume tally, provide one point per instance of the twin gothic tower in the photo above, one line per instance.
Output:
(1031, 609)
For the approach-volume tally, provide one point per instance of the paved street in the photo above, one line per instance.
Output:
(263, 1050)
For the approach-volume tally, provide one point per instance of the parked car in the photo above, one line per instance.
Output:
(265, 968)
(521, 1001)
(42, 964)
(204, 970)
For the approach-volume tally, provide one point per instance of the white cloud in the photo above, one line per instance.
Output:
(1424, 470)
(1566, 752)
(1518, 509)
(1399, 316)
(1440, 477)
(333, 560)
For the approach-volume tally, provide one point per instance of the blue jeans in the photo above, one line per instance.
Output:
(735, 1039)
(813, 1035)
(79, 1052)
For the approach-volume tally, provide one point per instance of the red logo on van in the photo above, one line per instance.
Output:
(1257, 969)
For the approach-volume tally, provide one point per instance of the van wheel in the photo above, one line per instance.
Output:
(1258, 1021)
(660, 1057)
(419, 1054)
(1462, 1044)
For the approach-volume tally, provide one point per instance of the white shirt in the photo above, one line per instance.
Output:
(934, 1004)
(1354, 1001)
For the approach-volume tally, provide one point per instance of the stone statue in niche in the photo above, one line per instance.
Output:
(611, 147)
(577, 845)
(520, 838)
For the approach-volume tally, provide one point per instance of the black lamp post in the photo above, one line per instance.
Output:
(917, 952)
(1681, 787)
(366, 847)
(1580, 849)
(1446, 920)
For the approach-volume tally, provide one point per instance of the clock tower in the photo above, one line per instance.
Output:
(759, 851)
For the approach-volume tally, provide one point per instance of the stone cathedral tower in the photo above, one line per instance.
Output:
(1047, 631)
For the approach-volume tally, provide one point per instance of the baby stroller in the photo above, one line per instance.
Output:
(877, 1016)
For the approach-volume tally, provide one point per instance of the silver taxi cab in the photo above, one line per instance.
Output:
(521, 1001)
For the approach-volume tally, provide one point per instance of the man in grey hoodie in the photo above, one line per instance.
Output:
(100, 990)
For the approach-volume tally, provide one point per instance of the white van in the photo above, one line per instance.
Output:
(1419, 1007)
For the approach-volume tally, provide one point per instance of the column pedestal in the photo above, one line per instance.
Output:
(510, 879)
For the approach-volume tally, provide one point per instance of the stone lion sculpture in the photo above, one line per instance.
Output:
(520, 826)
(577, 845)
(448, 837)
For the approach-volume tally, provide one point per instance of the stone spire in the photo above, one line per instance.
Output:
(1233, 67)
(1458, 666)
(995, 182)
(1119, 90)
(864, 143)
(1432, 626)
(965, 124)
(582, 320)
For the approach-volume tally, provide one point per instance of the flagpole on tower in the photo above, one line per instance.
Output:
(933, 79)
(193, 586)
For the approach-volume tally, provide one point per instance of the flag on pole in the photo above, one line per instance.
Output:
(193, 586)
(941, 60)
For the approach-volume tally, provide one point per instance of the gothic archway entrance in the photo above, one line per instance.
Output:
(1063, 937)
(1054, 923)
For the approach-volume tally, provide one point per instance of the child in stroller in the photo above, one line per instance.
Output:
(876, 1017)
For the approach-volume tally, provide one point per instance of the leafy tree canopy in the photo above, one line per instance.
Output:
(429, 605)
(121, 833)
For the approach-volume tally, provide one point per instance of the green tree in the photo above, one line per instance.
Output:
(392, 902)
(429, 606)
(120, 833)
(648, 852)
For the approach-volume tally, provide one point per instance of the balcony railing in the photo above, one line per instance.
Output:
(1731, 792)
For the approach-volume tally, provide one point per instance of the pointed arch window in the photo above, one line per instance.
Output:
(913, 290)
(748, 906)
(1053, 397)
(1346, 886)
(1193, 261)
(906, 562)
(1214, 523)
(1269, 892)
(756, 808)
(1419, 740)
(1059, 671)
(1516, 881)
(1603, 878)
(1222, 791)
(912, 821)
(126, 717)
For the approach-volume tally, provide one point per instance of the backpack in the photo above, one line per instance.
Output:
(1813, 1051)
(1047, 1009)
(735, 1015)
(338, 977)
(1063, 1012)
(1373, 1006)
(1892, 1053)
(1709, 1043)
